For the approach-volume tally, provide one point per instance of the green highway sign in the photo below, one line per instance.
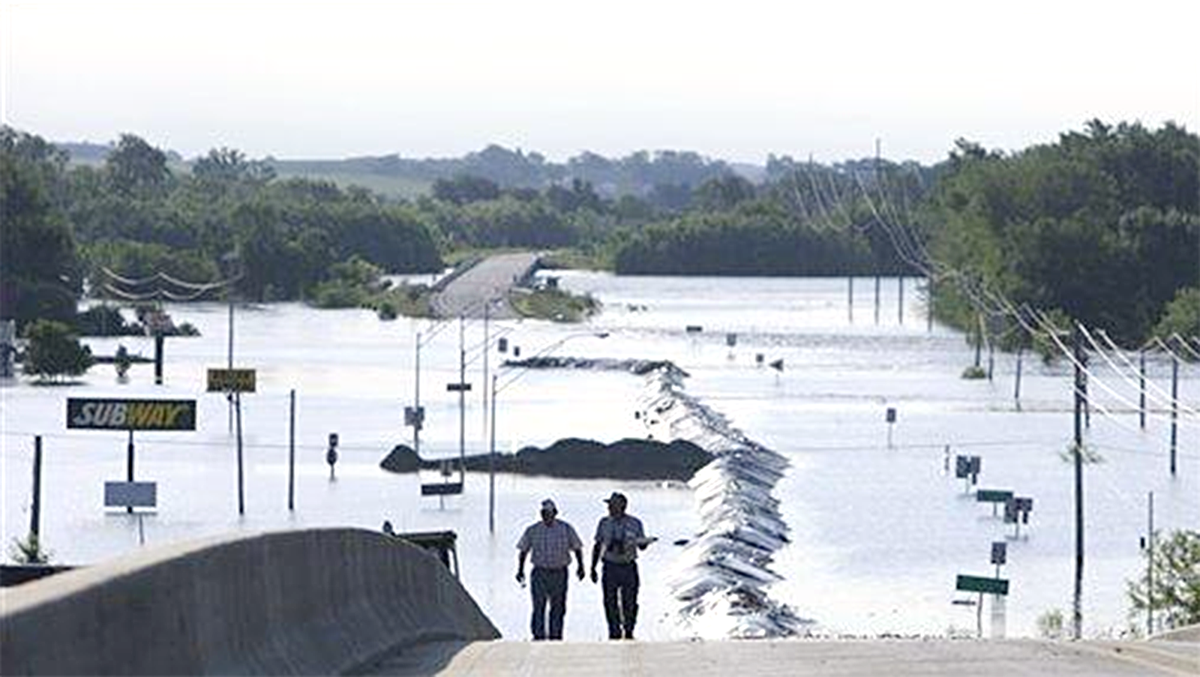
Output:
(992, 496)
(995, 586)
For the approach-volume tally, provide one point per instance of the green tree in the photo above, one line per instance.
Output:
(465, 189)
(54, 351)
(1174, 597)
(1182, 315)
(1099, 224)
(38, 266)
(135, 168)
(724, 193)
(223, 167)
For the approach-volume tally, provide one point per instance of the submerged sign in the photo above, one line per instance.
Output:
(119, 414)
(231, 380)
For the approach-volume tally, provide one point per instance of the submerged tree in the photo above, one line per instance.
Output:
(1173, 594)
(54, 351)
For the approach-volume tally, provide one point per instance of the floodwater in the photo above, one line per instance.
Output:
(878, 528)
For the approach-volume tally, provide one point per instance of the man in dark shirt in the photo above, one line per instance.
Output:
(551, 542)
(618, 538)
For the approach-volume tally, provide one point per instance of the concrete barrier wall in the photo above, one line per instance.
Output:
(320, 601)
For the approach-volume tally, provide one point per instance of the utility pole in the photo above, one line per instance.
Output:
(229, 352)
(1017, 383)
(237, 405)
(979, 342)
(1150, 566)
(1077, 614)
(292, 451)
(929, 303)
(129, 466)
(1174, 408)
(876, 299)
(35, 515)
(1142, 387)
(850, 298)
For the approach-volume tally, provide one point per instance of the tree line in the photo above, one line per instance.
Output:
(1100, 226)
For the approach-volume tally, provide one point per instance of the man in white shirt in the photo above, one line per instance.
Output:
(618, 538)
(551, 542)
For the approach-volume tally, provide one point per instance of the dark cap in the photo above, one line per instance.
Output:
(549, 505)
(617, 497)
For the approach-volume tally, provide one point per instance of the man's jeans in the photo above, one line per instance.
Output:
(548, 586)
(620, 583)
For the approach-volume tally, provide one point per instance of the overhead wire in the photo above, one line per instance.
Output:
(913, 251)
(1166, 401)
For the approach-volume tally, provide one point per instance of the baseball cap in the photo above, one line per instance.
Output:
(618, 497)
(549, 505)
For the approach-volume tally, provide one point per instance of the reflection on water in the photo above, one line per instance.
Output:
(877, 533)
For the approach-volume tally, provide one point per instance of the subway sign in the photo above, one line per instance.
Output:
(121, 414)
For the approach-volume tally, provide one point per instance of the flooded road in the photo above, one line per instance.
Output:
(877, 526)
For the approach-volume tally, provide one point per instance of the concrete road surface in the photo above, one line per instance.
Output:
(488, 280)
(891, 658)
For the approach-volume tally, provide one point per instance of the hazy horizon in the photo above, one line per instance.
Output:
(318, 80)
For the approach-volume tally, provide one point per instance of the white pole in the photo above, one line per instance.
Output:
(492, 466)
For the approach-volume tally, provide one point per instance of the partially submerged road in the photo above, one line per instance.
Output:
(488, 281)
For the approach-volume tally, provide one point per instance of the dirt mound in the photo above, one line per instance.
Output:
(627, 459)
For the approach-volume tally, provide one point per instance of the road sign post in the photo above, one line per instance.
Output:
(993, 496)
(981, 585)
(102, 413)
(234, 382)
(1016, 511)
(968, 468)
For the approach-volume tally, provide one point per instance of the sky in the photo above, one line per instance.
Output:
(734, 80)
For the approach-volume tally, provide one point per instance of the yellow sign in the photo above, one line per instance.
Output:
(231, 380)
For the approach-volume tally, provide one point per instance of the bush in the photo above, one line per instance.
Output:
(1050, 625)
(386, 310)
(28, 551)
(106, 320)
(974, 372)
(54, 351)
(338, 295)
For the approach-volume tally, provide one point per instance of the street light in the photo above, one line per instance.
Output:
(415, 415)
(496, 390)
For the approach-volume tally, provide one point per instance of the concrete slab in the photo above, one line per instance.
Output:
(899, 658)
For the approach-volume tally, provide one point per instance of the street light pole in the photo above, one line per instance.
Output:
(417, 399)
(496, 389)
(492, 465)
(462, 402)
(486, 347)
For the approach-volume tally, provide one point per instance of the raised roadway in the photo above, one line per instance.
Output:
(842, 658)
(490, 280)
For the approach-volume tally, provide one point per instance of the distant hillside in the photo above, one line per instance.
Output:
(88, 153)
(639, 173)
(644, 173)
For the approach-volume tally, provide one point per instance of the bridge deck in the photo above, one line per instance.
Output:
(899, 658)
